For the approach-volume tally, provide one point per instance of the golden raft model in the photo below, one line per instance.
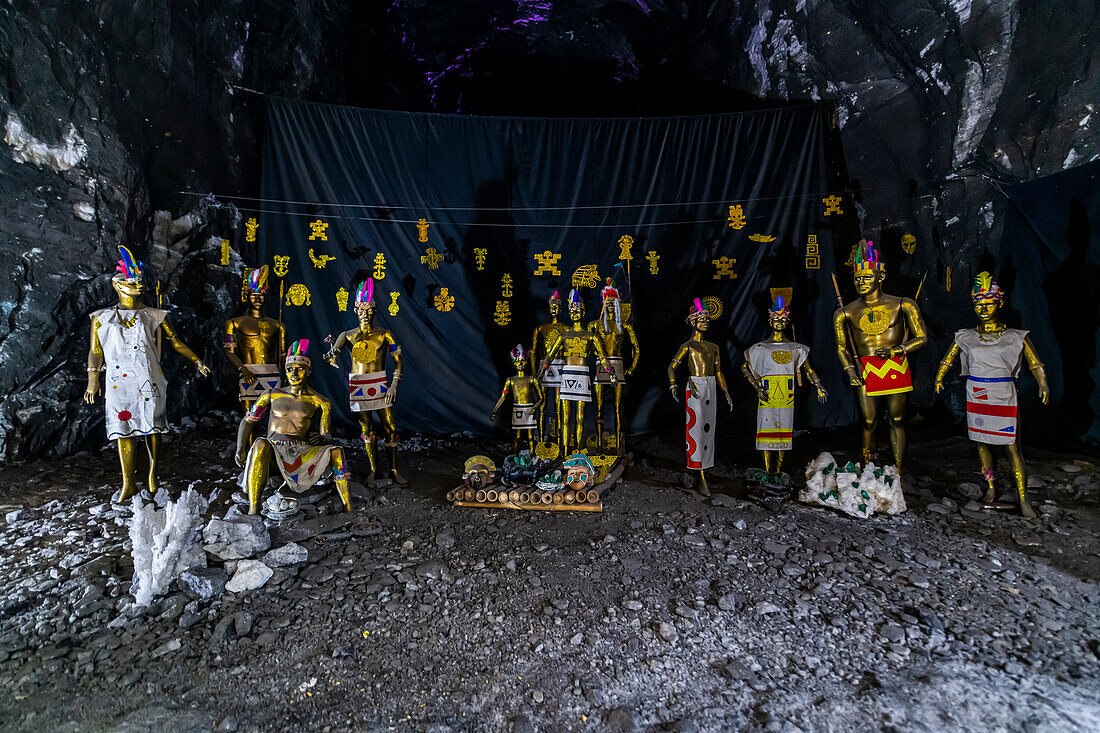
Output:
(586, 483)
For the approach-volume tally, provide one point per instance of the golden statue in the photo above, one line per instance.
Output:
(991, 358)
(773, 368)
(254, 343)
(124, 344)
(550, 379)
(303, 456)
(875, 328)
(611, 327)
(704, 364)
(367, 388)
(576, 380)
(527, 395)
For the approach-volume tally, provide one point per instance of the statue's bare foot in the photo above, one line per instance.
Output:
(990, 495)
(253, 509)
(128, 490)
(399, 479)
(151, 484)
(1026, 511)
(703, 488)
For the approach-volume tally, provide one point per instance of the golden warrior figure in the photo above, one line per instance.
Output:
(612, 326)
(254, 343)
(876, 328)
(302, 455)
(527, 395)
(124, 344)
(991, 359)
(704, 364)
(543, 336)
(576, 380)
(367, 388)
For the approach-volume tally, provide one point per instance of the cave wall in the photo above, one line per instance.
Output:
(111, 109)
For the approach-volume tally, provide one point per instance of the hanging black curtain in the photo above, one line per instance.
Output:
(497, 191)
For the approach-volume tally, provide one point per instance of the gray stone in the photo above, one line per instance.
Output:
(620, 720)
(242, 623)
(289, 554)
(632, 604)
(667, 631)
(444, 541)
(971, 490)
(13, 516)
(727, 602)
(250, 575)
(577, 639)
(203, 583)
(431, 569)
(694, 540)
(894, 633)
(723, 500)
(237, 536)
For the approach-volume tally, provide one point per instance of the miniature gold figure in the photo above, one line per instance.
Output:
(991, 359)
(704, 364)
(367, 386)
(875, 327)
(302, 455)
(527, 395)
(773, 367)
(550, 379)
(254, 343)
(611, 327)
(124, 344)
(576, 380)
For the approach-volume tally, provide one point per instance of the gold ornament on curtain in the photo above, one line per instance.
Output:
(832, 205)
(625, 243)
(506, 285)
(380, 266)
(586, 276)
(282, 265)
(444, 301)
(319, 261)
(431, 258)
(813, 257)
(652, 256)
(713, 306)
(250, 228)
(737, 217)
(502, 315)
(422, 229)
(297, 295)
(393, 307)
(908, 243)
(480, 253)
(548, 263)
(723, 268)
(762, 237)
(225, 252)
(318, 230)
(342, 299)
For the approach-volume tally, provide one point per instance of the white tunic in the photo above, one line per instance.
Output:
(991, 368)
(776, 363)
(134, 387)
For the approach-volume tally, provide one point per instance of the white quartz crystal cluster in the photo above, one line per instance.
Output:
(166, 537)
(859, 492)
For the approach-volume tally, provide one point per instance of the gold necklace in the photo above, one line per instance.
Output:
(126, 322)
(982, 336)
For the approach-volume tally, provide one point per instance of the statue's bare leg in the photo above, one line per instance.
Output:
(563, 424)
(703, 488)
(895, 417)
(389, 428)
(985, 457)
(152, 445)
(255, 472)
(599, 416)
(579, 432)
(340, 476)
(1020, 474)
(370, 442)
(868, 410)
(126, 461)
(619, 418)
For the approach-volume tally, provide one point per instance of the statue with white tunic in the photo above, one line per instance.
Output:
(124, 347)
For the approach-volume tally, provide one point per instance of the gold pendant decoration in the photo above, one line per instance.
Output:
(444, 301)
(652, 256)
(547, 451)
(480, 254)
(380, 266)
(782, 357)
(506, 285)
(602, 463)
(342, 299)
(625, 243)
(908, 243)
(737, 217)
(624, 312)
(318, 230)
(586, 276)
(250, 228)
(947, 280)
(502, 315)
(723, 268)
(832, 205)
(874, 321)
(713, 306)
(548, 263)
(393, 307)
(298, 295)
(813, 256)
(319, 261)
(762, 237)
(431, 258)
(282, 265)
(225, 252)
(422, 230)
(361, 352)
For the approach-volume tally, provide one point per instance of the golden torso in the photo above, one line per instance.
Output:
(702, 358)
(524, 391)
(545, 336)
(257, 339)
(368, 349)
(876, 326)
(292, 414)
(612, 339)
(575, 346)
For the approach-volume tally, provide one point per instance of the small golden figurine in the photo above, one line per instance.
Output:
(991, 359)
(527, 395)
(704, 364)
(576, 380)
(124, 344)
(367, 388)
(302, 455)
(611, 327)
(254, 343)
(875, 327)
(773, 367)
(543, 336)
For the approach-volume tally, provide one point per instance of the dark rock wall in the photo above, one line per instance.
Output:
(111, 109)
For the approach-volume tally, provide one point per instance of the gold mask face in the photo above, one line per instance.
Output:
(296, 374)
(578, 477)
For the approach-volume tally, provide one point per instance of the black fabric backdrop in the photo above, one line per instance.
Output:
(1050, 252)
(520, 186)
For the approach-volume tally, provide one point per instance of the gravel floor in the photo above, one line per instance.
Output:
(665, 612)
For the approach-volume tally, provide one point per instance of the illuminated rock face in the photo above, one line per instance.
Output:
(111, 109)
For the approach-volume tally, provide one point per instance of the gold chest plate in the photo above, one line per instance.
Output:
(782, 357)
(874, 321)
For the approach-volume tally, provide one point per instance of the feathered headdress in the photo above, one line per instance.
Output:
(554, 297)
(985, 288)
(611, 292)
(519, 353)
(296, 354)
(867, 258)
(697, 309)
(779, 309)
(257, 280)
(575, 299)
(364, 295)
(129, 269)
